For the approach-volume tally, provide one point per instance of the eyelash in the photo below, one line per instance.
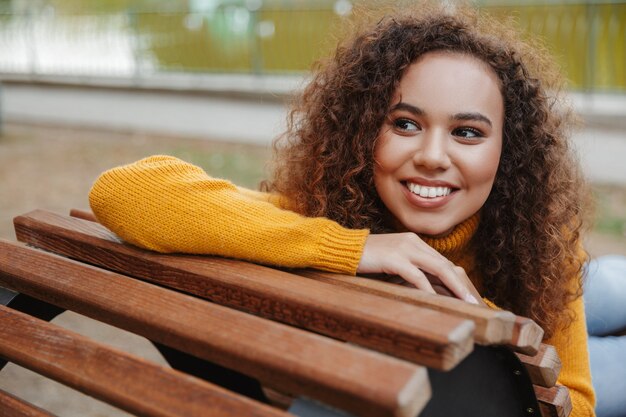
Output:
(398, 123)
(477, 133)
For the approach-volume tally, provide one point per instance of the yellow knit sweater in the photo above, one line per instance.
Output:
(167, 205)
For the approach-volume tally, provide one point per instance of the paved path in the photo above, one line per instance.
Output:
(230, 111)
(249, 120)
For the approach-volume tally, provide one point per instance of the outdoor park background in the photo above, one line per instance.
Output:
(85, 86)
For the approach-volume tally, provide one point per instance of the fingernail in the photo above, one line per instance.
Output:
(471, 299)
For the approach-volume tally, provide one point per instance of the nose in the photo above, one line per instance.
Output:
(432, 151)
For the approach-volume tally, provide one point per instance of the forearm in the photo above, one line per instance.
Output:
(167, 205)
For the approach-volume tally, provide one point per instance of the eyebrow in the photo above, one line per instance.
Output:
(459, 116)
(408, 107)
(472, 116)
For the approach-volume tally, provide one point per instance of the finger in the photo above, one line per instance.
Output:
(449, 276)
(470, 285)
(442, 290)
(406, 283)
(433, 279)
(416, 277)
(443, 271)
(439, 287)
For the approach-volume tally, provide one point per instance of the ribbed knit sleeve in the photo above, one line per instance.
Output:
(167, 205)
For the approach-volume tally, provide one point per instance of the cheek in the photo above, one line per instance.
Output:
(390, 154)
(484, 170)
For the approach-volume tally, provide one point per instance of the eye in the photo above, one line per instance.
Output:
(467, 133)
(406, 125)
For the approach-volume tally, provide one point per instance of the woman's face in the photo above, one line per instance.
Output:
(438, 151)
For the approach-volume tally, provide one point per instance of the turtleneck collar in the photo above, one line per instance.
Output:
(457, 240)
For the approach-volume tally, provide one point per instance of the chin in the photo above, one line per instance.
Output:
(431, 231)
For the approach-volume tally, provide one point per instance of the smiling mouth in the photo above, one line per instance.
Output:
(428, 192)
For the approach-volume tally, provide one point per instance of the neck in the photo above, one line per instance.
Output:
(457, 239)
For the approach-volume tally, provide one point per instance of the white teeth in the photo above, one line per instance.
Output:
(428, 192)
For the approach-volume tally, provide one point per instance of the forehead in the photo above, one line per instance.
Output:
(452, 81)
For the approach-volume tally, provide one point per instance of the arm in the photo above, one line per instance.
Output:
(167, 205)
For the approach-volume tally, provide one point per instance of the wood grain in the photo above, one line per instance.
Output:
(11, 406)
(358, 380)
(414, 333)
(527, 336)
(544, 367)
(493, 327)
(83, 214)
(554, 401)
(120, 379)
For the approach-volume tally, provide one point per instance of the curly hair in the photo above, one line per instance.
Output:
(528, 241)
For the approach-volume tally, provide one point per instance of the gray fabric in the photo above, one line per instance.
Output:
(6, 296)
(304, 407)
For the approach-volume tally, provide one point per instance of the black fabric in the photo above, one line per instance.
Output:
(216, 374)
(490, 382)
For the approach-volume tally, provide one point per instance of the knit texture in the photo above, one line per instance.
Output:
(167, 205)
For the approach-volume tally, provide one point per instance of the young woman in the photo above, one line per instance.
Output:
(432, 146)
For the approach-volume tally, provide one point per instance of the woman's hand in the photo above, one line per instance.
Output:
(408, 256)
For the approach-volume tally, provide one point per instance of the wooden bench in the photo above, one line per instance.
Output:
(408, 353)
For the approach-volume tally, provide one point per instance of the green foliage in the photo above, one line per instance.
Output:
(241, 164)
(232, 38)
(110, 6)
(282, 36)
(610, 210)
(587, 40)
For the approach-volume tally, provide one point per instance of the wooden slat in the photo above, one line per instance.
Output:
(83, 214)
(348, 377)
(554, 401)
(11, 406)
(417, 334)
(493, 327)
(544, 367)
(527, 336)
(118, 378)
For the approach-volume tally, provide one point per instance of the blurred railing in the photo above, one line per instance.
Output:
(270, 37)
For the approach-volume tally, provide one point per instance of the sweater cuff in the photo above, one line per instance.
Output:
(491, 304)
(340, 249)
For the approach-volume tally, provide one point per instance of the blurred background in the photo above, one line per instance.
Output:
(87, 85)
